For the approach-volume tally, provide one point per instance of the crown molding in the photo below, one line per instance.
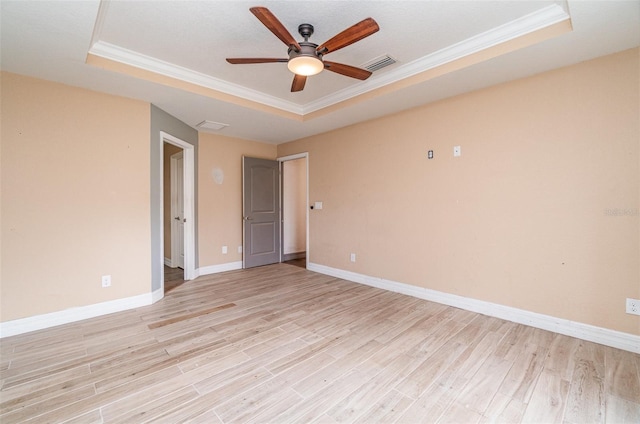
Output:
(527, 24)
(103, 7)
(148, 63)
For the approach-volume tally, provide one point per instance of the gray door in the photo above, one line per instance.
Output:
(261, 211)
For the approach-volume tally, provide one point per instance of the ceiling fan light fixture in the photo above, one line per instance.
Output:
(305, 58)
(305, 65)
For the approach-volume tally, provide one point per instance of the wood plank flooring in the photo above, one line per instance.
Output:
(280, 344)
(173, 277)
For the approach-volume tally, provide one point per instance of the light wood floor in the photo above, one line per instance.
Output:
(282, 344)
(173, 277)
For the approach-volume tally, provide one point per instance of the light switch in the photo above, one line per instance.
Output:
(317, 205)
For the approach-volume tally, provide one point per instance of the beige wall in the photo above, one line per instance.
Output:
(220, 205)
(168, 151)
(75, 197)
(539, 213)
(294, 206)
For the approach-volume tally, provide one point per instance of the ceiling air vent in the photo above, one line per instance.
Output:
(211, 126)
(379, 63)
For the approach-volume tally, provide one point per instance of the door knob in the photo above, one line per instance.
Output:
(247, 218)
(177, 218)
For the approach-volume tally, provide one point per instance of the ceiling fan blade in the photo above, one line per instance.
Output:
(350, 71)
(298, 83)
(349, 36)
(269, 20)
(241, 61)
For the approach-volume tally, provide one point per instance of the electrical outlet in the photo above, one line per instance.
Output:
(224, 250)
(106, 281)
(353, 257)
(239, 249)
(633, 306)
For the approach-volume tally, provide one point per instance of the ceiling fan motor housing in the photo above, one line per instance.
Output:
(306, 49)
(307, 61)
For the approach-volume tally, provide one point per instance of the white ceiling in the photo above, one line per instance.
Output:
(189, 41)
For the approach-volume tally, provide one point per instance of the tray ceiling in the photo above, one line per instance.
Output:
(172, 53)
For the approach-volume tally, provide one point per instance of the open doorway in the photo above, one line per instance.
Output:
(177, 190)
(273, 231)
(173, 215)
(295, 211)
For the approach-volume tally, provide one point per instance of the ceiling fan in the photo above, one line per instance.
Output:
(305, 58)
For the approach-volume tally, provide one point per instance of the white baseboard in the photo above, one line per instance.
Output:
(214, 269)
(157, 295)
(39, 322)
(168, 262)
(579, 330)
(294, 255)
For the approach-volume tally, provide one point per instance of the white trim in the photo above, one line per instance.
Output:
(527, 24)
(160, 67)
(189, 203)
(293, 256)
(168, 263)
(293, 157)
(157, 295)
(100, 19)
(214, 269)
(587, 332)
(244, 233)
(39, 322)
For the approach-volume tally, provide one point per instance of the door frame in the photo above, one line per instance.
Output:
(175, 245)
(188, 151)
(282, 159)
